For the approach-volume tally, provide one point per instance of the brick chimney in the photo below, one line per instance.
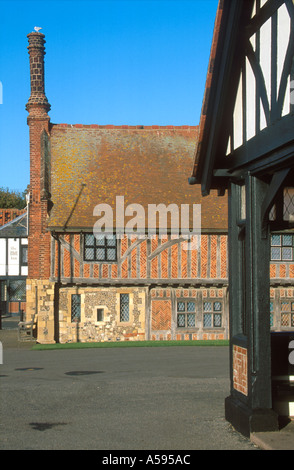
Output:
(38, 104)
(38, 284)
(39, 125)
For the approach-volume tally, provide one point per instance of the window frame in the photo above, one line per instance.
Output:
(186, 312)
(123, 304)
(282, 246)
(289, 312)
(75, 318)
(272, 313)
(213, 313)
(106, 246)
(24, 253)
(100, 313)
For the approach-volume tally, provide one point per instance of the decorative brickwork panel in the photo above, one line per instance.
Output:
(143, 260)
(164, 259)
(134, 263)
(213, 256)
(154, 244)
(124, 269)
(240, 363)
(105, 271)
(204, 254)
(194, 263)
(76, 268)
(282, 271)
(174, 261)
(164, 264)
(154, 268)
(66, 263)
(184, 267)
(273, 270)
(77, 243)
(96, 271)
(124, 245)
(224, 267)
(86, 271)
(114, 271)
(161, 315)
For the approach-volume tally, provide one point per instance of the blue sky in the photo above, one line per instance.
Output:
(135, 62)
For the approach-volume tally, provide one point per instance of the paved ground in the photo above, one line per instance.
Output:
(119, 399)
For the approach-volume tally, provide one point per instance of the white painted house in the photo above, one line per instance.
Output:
(13, 265)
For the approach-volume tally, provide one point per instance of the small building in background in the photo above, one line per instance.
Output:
(13, 265)
(7, 215)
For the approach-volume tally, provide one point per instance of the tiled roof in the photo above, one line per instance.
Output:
(92, 164)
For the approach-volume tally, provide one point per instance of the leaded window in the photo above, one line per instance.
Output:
(271, 314)
(282, 247)
(212, 314)
(76, 308)
(186, 314)
(124, 308)
(100, 247)
(17, 291)
(287, 313)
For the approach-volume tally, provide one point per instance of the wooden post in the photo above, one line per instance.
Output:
(249, 407)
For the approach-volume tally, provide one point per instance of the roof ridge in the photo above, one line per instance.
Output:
(113, 126)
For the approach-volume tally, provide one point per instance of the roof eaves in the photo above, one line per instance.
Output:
(197, 169)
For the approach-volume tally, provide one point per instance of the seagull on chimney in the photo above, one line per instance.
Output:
(37, 28)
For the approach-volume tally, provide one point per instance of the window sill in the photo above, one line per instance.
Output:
(213, 328)
(187, 329)
(99, 262)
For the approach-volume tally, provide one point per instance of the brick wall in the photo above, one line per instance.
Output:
(240, 361)
(39, 238)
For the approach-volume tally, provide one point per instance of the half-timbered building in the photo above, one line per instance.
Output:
(246, 146)
(13, 265)
(95, 288)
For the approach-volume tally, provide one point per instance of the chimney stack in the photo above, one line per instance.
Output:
(39, 128)
(37, 104)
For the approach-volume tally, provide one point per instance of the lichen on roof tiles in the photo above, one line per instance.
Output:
(145, 165)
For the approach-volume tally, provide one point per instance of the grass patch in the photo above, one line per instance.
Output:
(130, 344)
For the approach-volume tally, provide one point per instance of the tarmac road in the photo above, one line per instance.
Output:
(116, 399)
